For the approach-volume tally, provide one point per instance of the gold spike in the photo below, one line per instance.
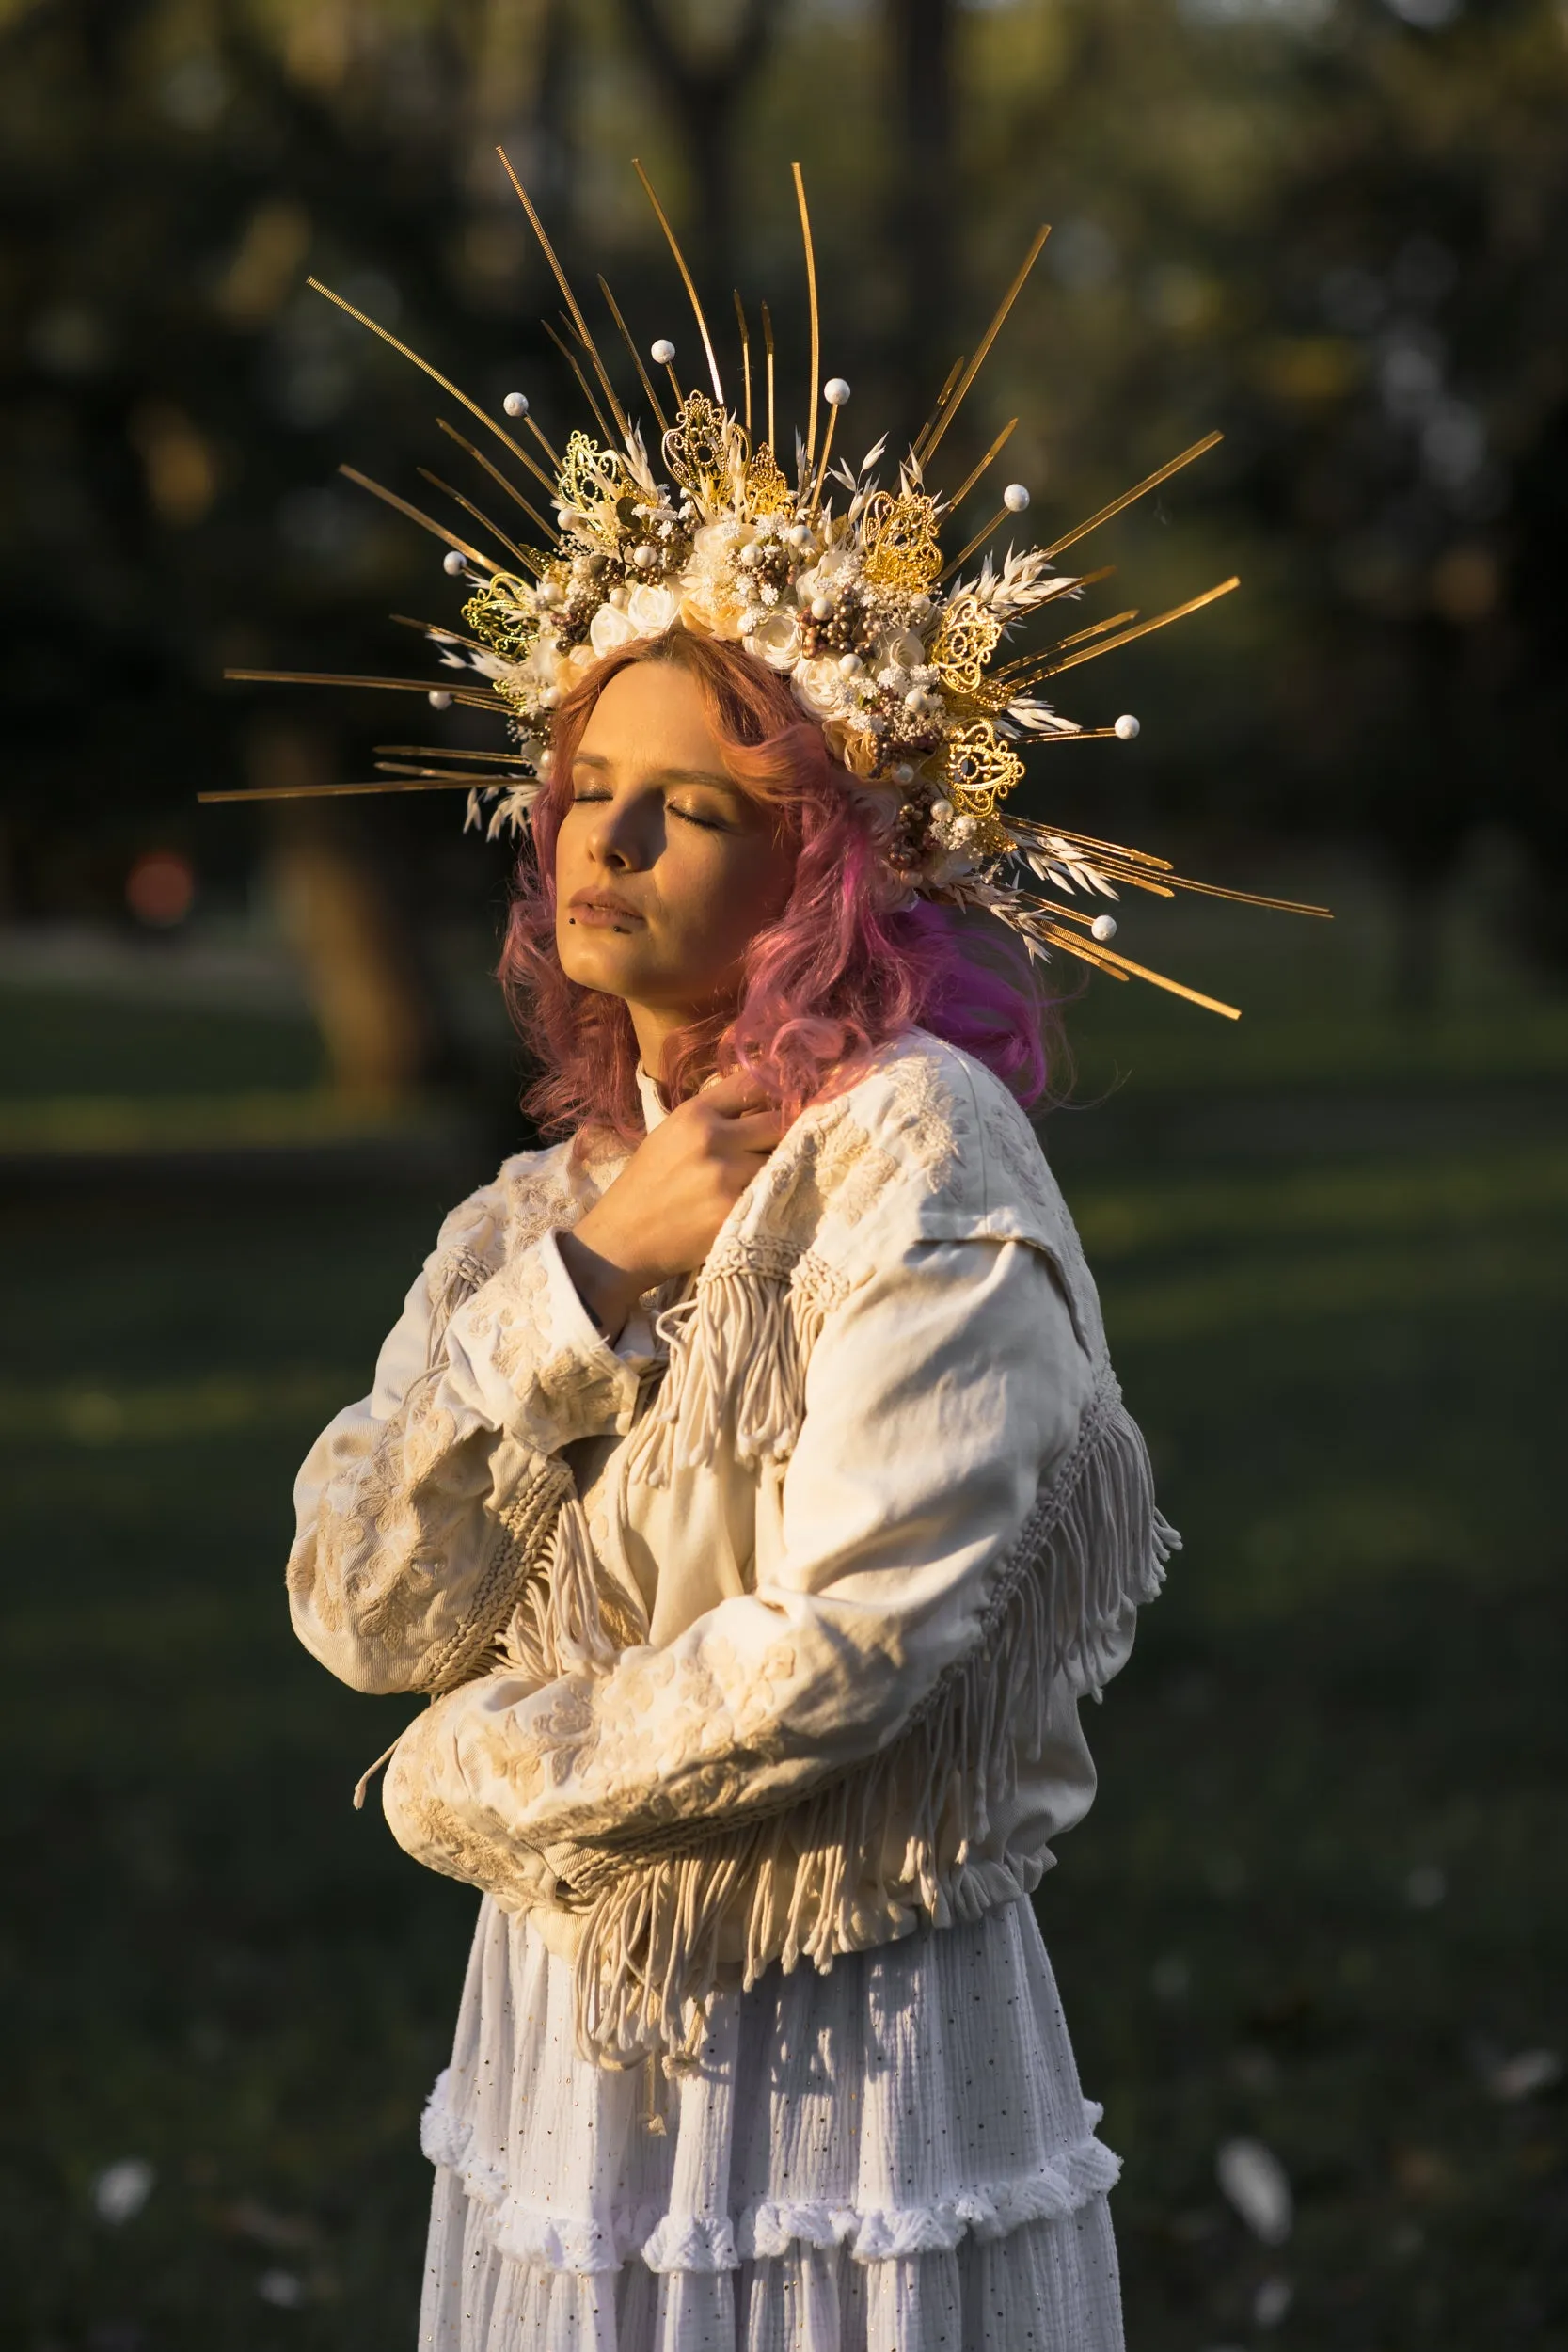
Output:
(952, 407)
(1096, 628)
(497, 476)
(336, 791)
(768, 344)
(1140, 629)
(816, 321)
(444, 776)
(417, 515)
(530, 559)
(991, 455)
(1122, 967)
(441, 751)
(745, 356)
(686, 278)
(822, 468)
(978, 541)
(436, 629)
(577, 319)
(943, 397)
(1150, 482)
(1252, 898)
(643, 376)
(567, 354)
(436, 377)
(478, 697)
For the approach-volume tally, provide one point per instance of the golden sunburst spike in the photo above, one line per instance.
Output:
(986, 463)
(528, 558)
(1150, 482)
(686, 278)
(768, 347)
(346, 791)
(644, 377)
(815, 321)
(836, 392)
(745, 357)
(568, 355)
(478, 697)
(918, 444)
(417, 515)
(440, 751)
(436, 377)
(952, 406)
(569, 297)
(497, 476)
(1140, 629)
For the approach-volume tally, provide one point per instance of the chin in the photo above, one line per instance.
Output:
(599, 959)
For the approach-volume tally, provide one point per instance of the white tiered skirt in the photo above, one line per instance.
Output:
(894, 2158)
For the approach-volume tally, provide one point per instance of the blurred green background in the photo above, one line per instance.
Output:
(248, 1058)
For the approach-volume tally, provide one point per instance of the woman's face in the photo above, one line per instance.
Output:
(664, 870)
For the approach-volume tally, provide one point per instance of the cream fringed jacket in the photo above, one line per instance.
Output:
(760, 1635)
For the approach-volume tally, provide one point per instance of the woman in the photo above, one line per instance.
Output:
(747, 1481)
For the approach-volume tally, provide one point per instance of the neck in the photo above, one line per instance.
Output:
(654, 1026)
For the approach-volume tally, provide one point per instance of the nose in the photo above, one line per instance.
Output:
(622, 840)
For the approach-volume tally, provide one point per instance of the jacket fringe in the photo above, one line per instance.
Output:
(738, 1352)
(663, 1922)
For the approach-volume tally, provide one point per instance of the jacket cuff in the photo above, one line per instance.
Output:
(538, 1365)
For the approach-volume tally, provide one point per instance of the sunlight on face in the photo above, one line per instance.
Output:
(664, 870)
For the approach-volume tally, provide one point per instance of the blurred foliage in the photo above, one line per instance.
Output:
(1330, 226)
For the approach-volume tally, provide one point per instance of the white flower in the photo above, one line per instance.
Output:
(611, 629)
(650, 610)
(900, 649)
(777, 640)
(818, 685)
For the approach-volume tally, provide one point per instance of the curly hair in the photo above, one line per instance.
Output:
(838, 974)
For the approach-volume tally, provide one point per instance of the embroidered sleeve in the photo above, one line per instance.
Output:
(422, 1510)
(941, 1390)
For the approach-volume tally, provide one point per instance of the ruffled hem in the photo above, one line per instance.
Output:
(669, 2243)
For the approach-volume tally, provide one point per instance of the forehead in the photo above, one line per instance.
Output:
(652, 715)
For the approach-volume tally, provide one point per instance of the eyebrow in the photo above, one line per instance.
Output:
(666, 775)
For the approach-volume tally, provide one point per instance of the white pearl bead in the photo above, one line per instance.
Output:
(820, 607)
(545, 762)
(1126, 727)
(1103, 928)
(662, 352)
(835, 392)
(849, 664)
(453, 562)
(515, 404)
(1014, 497)
(903, 774)
(438, 698)
(797, 534)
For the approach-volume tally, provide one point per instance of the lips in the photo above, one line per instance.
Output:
(601, 909)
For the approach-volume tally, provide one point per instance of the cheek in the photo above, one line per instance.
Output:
(720, 896)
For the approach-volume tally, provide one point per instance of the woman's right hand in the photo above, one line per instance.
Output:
(661, 1215)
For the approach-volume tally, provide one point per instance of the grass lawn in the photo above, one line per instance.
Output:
(1320, 1903)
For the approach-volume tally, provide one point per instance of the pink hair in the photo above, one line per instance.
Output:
(834, 979)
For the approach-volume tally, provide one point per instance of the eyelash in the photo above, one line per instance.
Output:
(706, 825)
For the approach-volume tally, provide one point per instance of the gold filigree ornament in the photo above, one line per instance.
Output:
(705, 449)
(846, 596)
(767, 491)
(591, 483)
(963, 646)
(900, 543)
(979, 769)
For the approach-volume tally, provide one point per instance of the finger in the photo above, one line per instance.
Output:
(735, 1095)
(754, 1131)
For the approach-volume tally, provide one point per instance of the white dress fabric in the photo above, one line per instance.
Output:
(891, 2157)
